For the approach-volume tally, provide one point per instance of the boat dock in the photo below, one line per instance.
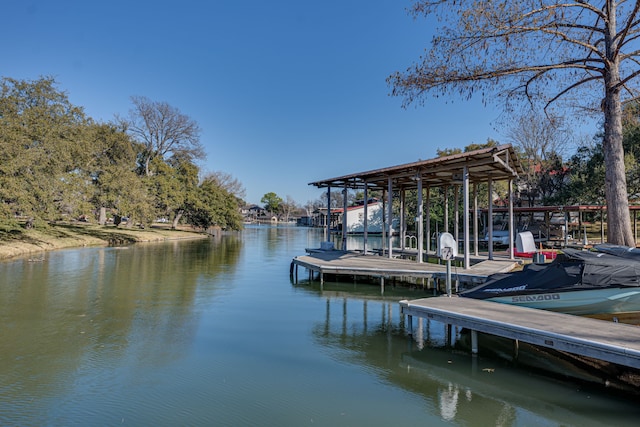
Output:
(352, 263)
(604, 340)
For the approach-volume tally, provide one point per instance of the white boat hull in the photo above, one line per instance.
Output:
(583, 302)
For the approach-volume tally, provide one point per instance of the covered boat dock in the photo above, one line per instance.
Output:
(464, 170)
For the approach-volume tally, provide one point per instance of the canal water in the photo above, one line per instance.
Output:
(214, 332)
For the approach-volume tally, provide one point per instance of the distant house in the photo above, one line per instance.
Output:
(253, 212)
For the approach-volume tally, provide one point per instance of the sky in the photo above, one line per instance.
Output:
(286, 92)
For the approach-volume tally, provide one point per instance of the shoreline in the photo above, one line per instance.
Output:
(64, 236)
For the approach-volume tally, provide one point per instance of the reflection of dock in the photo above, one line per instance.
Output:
(599, 339)
(349, 263)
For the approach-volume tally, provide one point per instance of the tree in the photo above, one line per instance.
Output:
(288, 207)
(174, 184)
(112, 167)
(577, 54)
(228, 183)
(337, 198)
(163, 131)
(213, 205)
(587, 174)
(540, 140)
(43, 149)
(272, 202)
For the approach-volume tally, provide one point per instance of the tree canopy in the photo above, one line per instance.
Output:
(554, 53)
(272, 202)
(56, 164)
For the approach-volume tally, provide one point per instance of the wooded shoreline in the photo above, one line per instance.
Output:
(20, 242)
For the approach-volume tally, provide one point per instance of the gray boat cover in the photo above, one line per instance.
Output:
(572, 270)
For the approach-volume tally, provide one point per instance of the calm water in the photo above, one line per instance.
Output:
(213, 332)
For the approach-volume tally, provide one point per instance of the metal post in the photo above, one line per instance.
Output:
(366, 217)
(446, 209)
(384, 221)
(345, 217)
(402, 218)
(428, 221)
(456, 212)
(465, 219)
(511, 227)
(566, 229)
(490, 218)
(475, 219)
(390, 213)
(601, 226)
(420, 224)
(448, 277)
(328, 213)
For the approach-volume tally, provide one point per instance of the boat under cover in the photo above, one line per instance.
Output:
(576, 282)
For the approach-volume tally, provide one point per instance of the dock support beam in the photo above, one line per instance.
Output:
(428, 234)
(328, 229)
(420, 221)
(345, 222)
(474, 342)
(512, 230)
(465, 219)
(365, 231)
(390, 214)
(490, 219)
(475, 219)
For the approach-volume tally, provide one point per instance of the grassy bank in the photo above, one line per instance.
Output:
(18, 241)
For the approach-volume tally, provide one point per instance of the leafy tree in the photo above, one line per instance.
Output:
(579, 54)
(174, 184)
(272, 202)
(163, 131)
(112, 169)
(213, 205)
(42, 148)
(586, 166)
(586, 184)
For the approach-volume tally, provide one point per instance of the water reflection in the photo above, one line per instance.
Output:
(460, 389)
(86, 310)
(214, 333)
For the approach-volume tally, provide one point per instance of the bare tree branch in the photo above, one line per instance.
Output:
(549, 52)
(163, 131)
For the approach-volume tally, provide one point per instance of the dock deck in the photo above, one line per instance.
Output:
(375, 266)
(604, 340)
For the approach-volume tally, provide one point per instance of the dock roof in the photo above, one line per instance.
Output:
(496, 163)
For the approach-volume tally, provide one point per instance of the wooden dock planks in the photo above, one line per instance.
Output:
(355, 263)
(604, 340)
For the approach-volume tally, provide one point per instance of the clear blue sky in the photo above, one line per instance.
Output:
(286, 91)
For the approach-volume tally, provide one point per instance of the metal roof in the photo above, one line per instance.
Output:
(496, 163)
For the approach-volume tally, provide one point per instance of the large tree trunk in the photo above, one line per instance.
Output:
(176, 219)
(619, 230)
(102, 220)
